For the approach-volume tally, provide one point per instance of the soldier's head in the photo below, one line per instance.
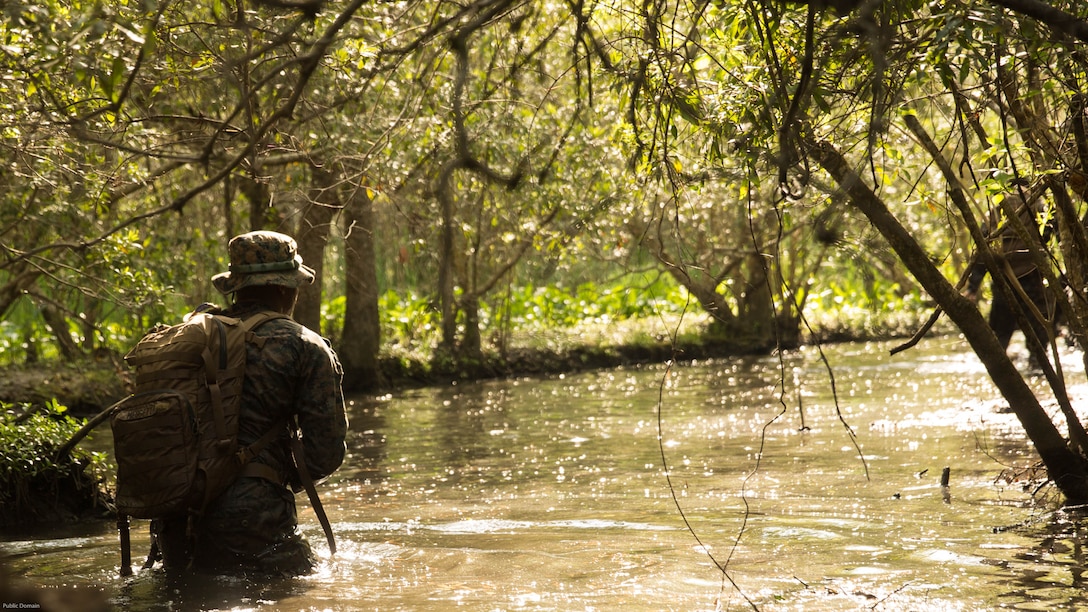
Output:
(264, 266)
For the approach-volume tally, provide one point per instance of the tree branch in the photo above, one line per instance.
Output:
(1064, 22)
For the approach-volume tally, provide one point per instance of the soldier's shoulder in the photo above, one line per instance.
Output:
(287, 327)
(282, 322)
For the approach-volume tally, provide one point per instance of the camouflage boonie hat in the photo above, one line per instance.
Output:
(263, 258)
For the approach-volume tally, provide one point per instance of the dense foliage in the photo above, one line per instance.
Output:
(460, 172)
(36, 483)
(138, 140)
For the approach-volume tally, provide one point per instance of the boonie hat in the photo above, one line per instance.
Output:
(263, 258)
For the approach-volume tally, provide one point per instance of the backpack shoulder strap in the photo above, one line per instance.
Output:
(213, 365)
(254, 321)
(250, 324)
(246, 454)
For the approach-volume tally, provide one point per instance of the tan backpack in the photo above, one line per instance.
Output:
(176, 437)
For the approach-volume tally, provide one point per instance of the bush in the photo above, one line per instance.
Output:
(35, 484)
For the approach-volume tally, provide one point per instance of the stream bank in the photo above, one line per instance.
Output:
(88, 386)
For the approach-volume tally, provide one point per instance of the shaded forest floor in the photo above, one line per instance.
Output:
(86, 387)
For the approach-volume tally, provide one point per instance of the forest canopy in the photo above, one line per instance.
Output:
(452, 170)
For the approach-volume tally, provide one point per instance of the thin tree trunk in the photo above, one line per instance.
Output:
(446, 263)
(228, 206)
(260, 203)
(69, 350)
(361, 339)
(447, 256)
(471, 342)
(312, 236)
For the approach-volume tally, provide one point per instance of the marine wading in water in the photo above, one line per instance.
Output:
(236, 409)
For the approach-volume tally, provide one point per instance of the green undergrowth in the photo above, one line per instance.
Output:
(605, 342)
(35, 484)
(525, 331)
(554, 322)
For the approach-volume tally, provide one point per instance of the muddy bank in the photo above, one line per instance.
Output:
(84, 387)
(400, 374)
(66, 493)
(89, 386)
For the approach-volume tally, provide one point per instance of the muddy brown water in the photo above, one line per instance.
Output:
(552, 494)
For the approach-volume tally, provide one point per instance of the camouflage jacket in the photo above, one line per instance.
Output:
(296, 374)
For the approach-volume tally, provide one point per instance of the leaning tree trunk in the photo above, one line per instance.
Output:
(312, 235)
(58, 324)
(1066, 468)
(697, 281)
(361, 338)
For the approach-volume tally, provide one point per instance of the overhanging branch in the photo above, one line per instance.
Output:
(1064, 22)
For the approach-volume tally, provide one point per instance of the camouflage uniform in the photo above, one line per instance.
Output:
(253, 526)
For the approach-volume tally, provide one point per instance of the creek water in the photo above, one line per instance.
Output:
(704, 486)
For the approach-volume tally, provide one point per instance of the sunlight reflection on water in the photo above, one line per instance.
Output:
(551, 495)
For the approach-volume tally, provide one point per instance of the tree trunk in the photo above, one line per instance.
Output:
(260, 203)
(756, 305)
(361, 338)
(447, 259)
(1066, 468)
(228, 206)
(88, 322)
(312, 236)
(471, 343)
(69, 350)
